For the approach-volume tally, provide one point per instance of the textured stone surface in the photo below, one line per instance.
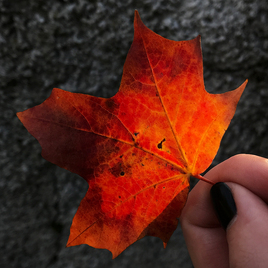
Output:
(81, 46)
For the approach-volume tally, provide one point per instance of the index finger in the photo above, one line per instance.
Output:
(250, 171)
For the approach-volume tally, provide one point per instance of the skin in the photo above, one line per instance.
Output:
(245, 241)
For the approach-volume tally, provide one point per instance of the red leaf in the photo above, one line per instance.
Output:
(137, 149)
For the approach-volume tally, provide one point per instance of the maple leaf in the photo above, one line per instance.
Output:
(137, 149)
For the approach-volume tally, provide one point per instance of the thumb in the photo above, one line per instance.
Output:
(244, 215)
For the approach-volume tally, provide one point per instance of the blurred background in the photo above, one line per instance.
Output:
(81, 46)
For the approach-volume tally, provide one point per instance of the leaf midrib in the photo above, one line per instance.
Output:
(165, 111)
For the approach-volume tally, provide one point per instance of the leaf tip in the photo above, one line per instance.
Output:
(245, 83)
(137, 19)
(21, 116)
(240, 89)
(137, 15)
(18, 114)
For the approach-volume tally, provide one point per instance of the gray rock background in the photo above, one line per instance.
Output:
(81, 46)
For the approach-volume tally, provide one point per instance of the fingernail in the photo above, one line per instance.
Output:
(223, 203)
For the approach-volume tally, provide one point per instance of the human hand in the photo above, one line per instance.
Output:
(244, 243)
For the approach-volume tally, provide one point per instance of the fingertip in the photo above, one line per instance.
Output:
(223, 203)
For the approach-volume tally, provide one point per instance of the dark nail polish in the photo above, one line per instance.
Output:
(223, 203)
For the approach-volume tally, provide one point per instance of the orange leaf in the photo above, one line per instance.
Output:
(137, 149)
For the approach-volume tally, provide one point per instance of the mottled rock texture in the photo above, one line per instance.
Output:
(81, 46)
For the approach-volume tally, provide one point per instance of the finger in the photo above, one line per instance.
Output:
(250, 171)
(204, 236)
(247, 232)
(205, 239)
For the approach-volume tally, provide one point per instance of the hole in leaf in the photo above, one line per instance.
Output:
(159, 145)
(122, 173)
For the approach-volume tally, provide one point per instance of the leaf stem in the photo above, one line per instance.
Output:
(204, 179)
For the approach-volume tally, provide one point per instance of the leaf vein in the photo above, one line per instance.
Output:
(165, 111)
